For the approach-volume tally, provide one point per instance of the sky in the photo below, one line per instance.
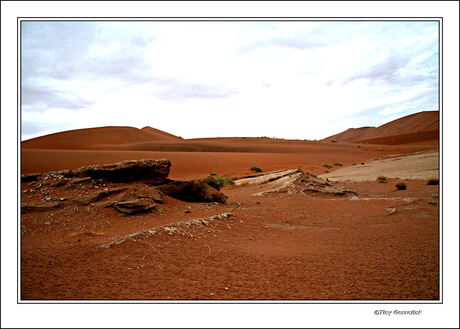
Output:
(295, 80)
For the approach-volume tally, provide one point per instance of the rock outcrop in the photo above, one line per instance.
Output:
(204, 190)
(294, 181)
(148, 171)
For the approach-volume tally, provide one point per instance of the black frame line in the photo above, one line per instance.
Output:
(439, 20)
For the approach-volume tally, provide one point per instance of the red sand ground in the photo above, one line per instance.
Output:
(278, 247)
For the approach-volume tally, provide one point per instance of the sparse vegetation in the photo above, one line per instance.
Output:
(401, 186)
(326, 165)
(338, 164)
(213, 174)
(382, 179)
(432, 181)
(359, 146)
(363, 163)
(221, 181)
(256, 169)
(333, 141)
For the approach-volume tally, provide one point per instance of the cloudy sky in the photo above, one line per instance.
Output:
(301, 80)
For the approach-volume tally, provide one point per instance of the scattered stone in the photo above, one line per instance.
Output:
(47, 223)
(392, 211)
(171, 228)
(77, 201)
(251, 238)
(58, 183)
(187, 211)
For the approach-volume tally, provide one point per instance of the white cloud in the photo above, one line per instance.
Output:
(286, 79)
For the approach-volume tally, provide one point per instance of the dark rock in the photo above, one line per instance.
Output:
(149, 192)
(30, 177)
(134, 206)
(205, 190)
(148, 171)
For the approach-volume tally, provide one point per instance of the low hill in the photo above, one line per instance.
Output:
(417, 123)
(91, 137)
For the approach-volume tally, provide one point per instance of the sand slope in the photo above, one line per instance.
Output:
(417, 123)
(92, 137)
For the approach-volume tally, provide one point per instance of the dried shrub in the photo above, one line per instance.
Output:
(382, 179)
(401, 186)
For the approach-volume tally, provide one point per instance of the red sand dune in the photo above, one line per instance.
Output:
(423, 137)
(421, 122)
(231, 156)
(90, 138)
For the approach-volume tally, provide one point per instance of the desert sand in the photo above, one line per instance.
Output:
(283, 239)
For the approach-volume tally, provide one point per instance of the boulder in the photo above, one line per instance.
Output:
(204, 190)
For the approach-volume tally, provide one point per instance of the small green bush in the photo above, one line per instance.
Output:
(256, 169)
(326, 165)
(432, 181)
(338, 164)
(221, 181)
(400, 186)
(213, 174)
(359, 146)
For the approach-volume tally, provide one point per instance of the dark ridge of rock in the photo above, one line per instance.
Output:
(30, 177)
(25, 208)
(77, 201)
(205, 190)
(148, 171)
(134, 206)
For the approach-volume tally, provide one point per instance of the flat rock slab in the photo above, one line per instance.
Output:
(420, 165)
(134, 206)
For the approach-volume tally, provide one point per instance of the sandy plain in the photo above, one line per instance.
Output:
(382, 244)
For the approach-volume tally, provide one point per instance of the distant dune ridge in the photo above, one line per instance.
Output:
(418, 127)
(89, 138)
